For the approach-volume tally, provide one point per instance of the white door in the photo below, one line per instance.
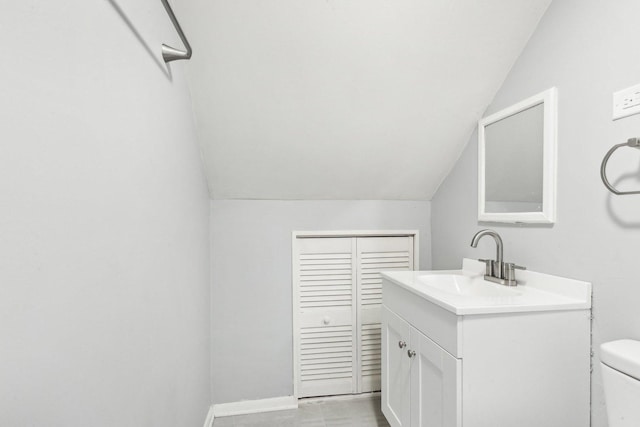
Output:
(436, 385)
(396, 369)
(375, 254)
(325, 296)
(338, 297)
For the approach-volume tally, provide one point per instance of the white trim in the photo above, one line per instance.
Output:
(208, 422)
(295, 298)
(416, 251)
(355, 233)
(549, 99)
(254, 406)
(295, 235)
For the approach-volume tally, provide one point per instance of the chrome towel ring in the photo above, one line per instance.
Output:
(169, 53)
(631, 142)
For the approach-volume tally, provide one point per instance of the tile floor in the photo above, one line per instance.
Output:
(359, 412)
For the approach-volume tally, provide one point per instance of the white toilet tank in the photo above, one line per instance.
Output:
(621, 379)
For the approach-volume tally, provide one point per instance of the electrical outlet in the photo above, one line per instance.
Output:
(626, 102)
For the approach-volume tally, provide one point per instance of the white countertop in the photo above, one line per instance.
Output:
(535, 291)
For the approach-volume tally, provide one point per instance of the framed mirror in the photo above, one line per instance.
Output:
(517, 162)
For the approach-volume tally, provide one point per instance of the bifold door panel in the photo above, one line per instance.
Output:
(375, 254)
(327, 317)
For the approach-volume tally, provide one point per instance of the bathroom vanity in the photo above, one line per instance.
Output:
(460, 351)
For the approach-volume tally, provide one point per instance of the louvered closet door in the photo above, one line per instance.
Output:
(375, 254)
(326, 297)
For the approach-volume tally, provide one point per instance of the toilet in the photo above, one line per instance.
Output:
(621, 378)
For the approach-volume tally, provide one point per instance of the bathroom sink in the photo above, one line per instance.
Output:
(465, 285)
(466, 292)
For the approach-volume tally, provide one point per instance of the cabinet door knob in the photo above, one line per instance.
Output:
(402, 344)
(411, 353)
(326, 320)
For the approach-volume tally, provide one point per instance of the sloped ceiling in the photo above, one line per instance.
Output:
(345, 99)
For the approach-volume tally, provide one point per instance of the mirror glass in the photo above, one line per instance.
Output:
(517, 162)
(513, 171)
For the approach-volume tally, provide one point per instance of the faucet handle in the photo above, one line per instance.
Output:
(509, 270)
(489, 266)
(511, 266)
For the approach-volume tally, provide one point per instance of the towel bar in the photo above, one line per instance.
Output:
(631, 142)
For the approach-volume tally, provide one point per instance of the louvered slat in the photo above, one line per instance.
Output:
(327, 269)
(322, 277)
(326, 259)
(331, 376)
(313, 289)
(323, 357)
(328, 282)
(324, 256)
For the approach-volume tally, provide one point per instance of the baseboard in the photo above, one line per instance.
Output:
(208, 422)
(254, 406)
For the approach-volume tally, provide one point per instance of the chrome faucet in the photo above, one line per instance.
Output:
(497, 271)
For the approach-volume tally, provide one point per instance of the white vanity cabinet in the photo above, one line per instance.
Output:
(494, 360)
(422, 381)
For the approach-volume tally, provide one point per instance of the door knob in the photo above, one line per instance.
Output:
(411, 353)
(402, 344)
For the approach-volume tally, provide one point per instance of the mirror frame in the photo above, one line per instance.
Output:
(549, 99)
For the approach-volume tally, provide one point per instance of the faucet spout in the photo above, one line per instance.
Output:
(480, 234)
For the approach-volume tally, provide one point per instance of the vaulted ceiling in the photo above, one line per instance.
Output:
(345, 99)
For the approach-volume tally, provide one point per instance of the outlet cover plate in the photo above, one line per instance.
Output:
(626, 102)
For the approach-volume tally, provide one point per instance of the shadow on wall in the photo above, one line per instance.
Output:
(165, 68)
(487, 224)
(620, 221)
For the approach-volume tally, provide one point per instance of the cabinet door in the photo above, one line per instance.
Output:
(375, 254)
(396, 367)
(325, 332)
(436, 385)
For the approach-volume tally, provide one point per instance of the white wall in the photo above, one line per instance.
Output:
(588, 49)
(252, 353)
(104, 292)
